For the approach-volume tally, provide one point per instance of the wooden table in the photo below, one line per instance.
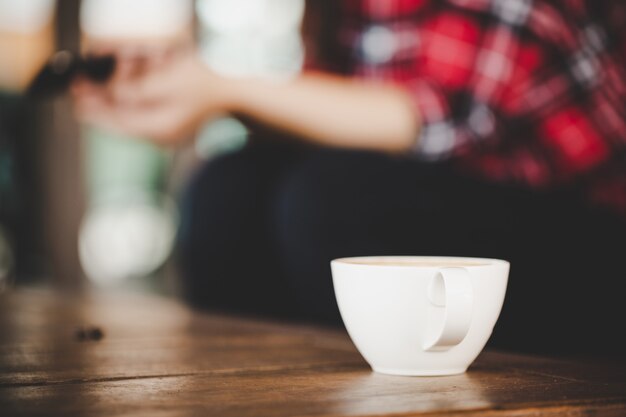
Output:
(158, 358)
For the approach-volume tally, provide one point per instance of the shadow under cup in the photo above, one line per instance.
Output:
(419, 316)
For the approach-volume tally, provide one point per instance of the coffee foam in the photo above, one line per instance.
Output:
(135, 18)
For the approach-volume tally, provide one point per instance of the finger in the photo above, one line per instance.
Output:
(147, 90)
(154, 124)
(110, 119)
(82, 87)
(163, 125)
(91, 109)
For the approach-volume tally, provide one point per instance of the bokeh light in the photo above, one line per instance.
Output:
(127, 239)
(252, 37)
(136, 19)
(25, 15)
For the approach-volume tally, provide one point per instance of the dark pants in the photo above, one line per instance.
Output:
(261, 225)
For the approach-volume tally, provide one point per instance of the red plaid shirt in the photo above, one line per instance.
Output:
(518, 91)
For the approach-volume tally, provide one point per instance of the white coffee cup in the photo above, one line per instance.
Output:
(419, 315)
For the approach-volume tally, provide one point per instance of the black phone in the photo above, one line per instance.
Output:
(60, 70)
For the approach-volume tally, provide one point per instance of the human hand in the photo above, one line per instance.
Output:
(164, 98)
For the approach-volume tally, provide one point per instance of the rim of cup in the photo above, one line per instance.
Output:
(414, 261)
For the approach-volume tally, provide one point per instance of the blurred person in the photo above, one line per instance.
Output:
(127, 204)
(492, 128)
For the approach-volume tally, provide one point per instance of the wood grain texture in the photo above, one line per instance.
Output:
(159, 359)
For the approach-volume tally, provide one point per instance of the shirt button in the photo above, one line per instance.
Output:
(378, 44)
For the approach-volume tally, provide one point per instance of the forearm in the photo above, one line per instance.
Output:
(331, 111)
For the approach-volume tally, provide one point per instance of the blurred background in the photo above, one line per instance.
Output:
(81, 207)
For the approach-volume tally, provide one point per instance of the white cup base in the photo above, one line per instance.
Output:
(419, 372)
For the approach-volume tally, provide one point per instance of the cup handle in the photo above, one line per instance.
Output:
(450, 309)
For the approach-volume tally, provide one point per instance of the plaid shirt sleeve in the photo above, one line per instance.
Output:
(512, 89)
